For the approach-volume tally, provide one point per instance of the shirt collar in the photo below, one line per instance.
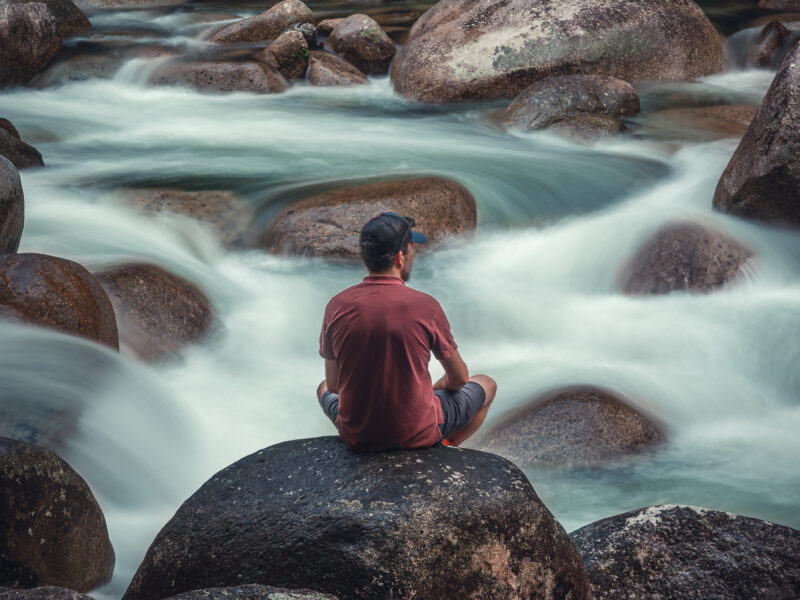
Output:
(383, 280)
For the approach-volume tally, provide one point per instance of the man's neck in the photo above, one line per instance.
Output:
(393, 272)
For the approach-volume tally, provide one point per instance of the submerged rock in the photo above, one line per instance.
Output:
(689, 553)
(288, 54)
(431, 523)
(80, 67)
(12, 206)
(329, 224)
(210, 76)
(57, 293)
(157, 312)
(31, 32)
(361, 41)
(42, 593)
(267, 26)
(52, 532)
(685, 257)
(327, 69)
(762, 180)
(698, 123)
(22, 155)
(481, 49)
(767, 43)
(250, 592)
(573, 427)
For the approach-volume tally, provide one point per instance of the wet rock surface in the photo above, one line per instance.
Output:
(361, 41)
(22, 155)
(767, 43)
(762, 180)
(80, 67)
(327, 69)
(42, 593)
(329, 224)
(578, 426)
(699, 123)
(314, 514)
(470, 50)
(288, 54)
(251, 592)
(31, 32)
(53, 532)
(12, 206)
(691, 553)
(685, 257)
(265, 27)
(211, 76)
(57, 293)
(157, 312)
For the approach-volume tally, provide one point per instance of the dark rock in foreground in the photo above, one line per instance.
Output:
(329, 224)
(52, 532)
(327, 69)
(574, 427)
(22, 155)
(762, 180)
(157, 312)
(57, 293)
(674, 552)
(12, 207)
(250, 592)
(42, 593)
(432, 523)
(685, 257)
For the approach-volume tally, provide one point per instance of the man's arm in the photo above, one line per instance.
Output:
(331, 376)
(456, 374)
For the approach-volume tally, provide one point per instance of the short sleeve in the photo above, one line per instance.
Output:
(325, 346)
(442, 343)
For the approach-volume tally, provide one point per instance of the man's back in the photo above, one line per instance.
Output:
(381, 334)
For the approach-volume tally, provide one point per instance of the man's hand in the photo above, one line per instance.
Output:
(332, 376)
(456, 374)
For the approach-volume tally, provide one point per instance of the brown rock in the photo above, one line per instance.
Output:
(329, 224)
(266, 26)
(700, 123)
(480, 49)
(8, 126)
(227, 214)
(52, 532)
(31, 32)
(327, 69)
(684, 257)
(573, 427)
(779, 4)
(22, 155)
(42, 593)
(81, 67)
(157, 312)
(308, 31)
(250, 592)
(288, 54)
(327, 25)
(767, 43)
(762, 180)
(12, 207)
(94, 4)
(56, 293)
(361, 41)
(205, 76)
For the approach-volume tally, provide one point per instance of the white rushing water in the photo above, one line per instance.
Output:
(532, 299)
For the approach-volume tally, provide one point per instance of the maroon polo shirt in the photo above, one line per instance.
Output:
(381, 335)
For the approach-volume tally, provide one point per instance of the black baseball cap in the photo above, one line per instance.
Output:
(387, 234)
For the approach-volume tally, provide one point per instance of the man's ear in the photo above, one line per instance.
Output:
(399, 259)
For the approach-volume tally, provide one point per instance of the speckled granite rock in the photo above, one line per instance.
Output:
(12, 207)
(250, 592)
(42, 593)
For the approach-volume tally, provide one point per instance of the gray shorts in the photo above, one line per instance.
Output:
(459, 407)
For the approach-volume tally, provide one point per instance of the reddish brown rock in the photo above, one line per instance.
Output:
(327, 25)
(767, 43)
(157, 312)
(206, 76)
(573, 427)
(685, 257)
(288, 54)
(361, 41)
(80, 67)
(41, 593)
(22, 155)
(52, 532)
(57, 293)
(266, 26)
(327, 69)
(701, 123)
(12, 206)
(250, 592)
(8, 126)
(329, 224)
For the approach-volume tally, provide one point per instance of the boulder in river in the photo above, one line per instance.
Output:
(697, 123)
(482, 49)
(767, 43)
(579, 426)
(432, 523)
(327, 69)
(288, 54)
(53, 532)
(762, 180)
(252, 591)
(157, 312)
(31, 32)
(265, 27)
(12, 206)
(566, 101)
(78, 67)
(218, 76)
(329, 224)
(41, 593)
(18, 152)
(57, 293)
(685, 257)
(362, 42)
(689, 553)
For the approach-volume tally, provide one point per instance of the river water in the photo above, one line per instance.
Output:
(532, 298)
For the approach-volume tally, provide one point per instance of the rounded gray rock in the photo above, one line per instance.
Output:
(18, 152)
(327, 69)
(12, 206)
(363, 43)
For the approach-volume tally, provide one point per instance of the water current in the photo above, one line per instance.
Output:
(533, 298)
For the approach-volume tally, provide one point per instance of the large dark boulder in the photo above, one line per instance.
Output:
(265, 27)
(480, 49)
(157, 312)
(362, 42)
(42, 593)
(250, 592)
(221, 76)
(573, 427)
(327, 69)
(685, 257)
(22, 155)
(12, 207)
(762, 180)
(31, 32)
(57, 293)
(434, 523)
(674, 552)
(52, 532)
(329, 224)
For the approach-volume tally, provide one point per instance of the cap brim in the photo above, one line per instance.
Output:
(418, 238)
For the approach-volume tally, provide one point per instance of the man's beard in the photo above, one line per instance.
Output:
(405, 275)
